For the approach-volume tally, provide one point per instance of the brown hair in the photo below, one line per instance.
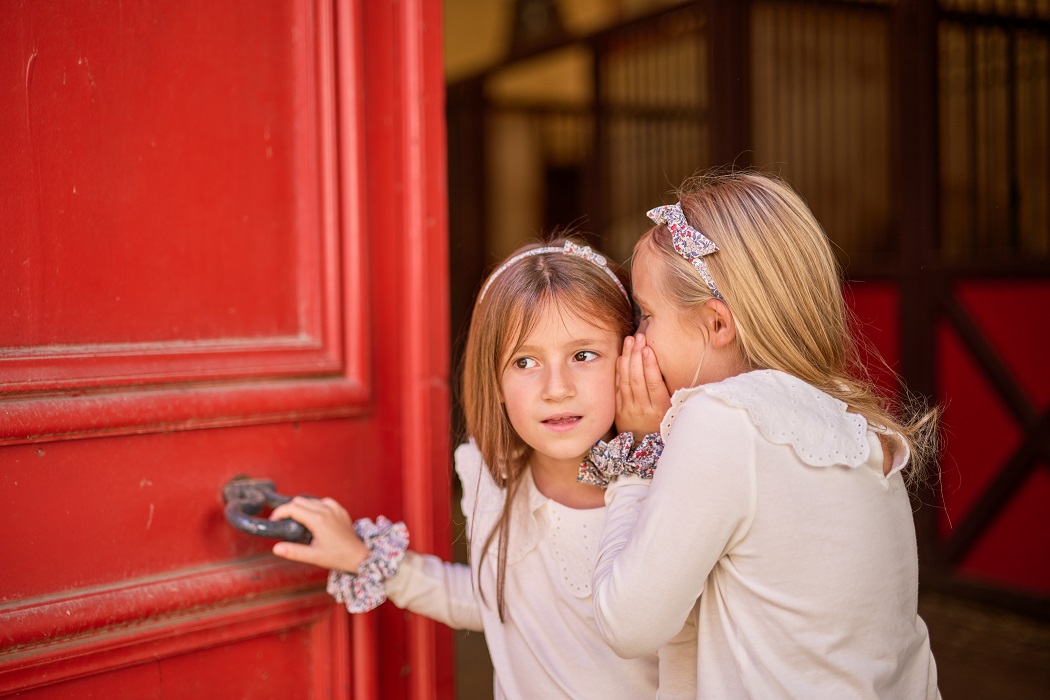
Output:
(779, 277)
(501, 322)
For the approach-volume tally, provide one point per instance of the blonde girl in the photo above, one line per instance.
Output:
(538, 393)
(778, 519)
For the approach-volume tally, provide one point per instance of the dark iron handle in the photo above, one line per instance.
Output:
(245, 498)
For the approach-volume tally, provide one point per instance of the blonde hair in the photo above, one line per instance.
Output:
(501, 322)
(777, 273)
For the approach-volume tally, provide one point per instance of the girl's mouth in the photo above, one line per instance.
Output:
(562, 423)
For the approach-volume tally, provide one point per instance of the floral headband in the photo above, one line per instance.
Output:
(569, 248)
(690, 243)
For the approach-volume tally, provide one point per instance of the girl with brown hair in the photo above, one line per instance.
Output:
(538, 393)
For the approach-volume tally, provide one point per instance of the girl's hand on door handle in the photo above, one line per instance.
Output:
(335, 545)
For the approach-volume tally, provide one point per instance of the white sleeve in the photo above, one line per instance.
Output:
(440, 590)
(678, 664)
(657, 552)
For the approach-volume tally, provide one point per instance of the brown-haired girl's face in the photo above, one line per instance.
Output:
(559, 387)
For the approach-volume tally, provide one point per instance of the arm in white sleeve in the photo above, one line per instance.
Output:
(441, 590)
(678, 664)
(656, 553)
(437, 589)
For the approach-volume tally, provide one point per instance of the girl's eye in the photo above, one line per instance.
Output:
(524, 363)
(585, 355)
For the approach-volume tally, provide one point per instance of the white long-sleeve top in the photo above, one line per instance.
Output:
(549, 645)
(771, 524)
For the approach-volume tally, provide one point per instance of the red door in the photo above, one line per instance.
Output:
(222, 252)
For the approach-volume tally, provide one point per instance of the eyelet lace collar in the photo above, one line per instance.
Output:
(525, 526)
(788, 411)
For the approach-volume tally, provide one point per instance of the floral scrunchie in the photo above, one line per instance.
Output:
(619, 456)
(366, 589)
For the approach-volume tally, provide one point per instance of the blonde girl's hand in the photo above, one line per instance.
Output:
(642, 398)
(335, 545)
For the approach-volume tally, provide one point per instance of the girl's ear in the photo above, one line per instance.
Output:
(721, 326)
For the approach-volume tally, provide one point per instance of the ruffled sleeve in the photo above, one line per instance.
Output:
(483, 501)
(480, 491)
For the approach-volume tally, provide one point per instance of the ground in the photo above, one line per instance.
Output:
(982, 653)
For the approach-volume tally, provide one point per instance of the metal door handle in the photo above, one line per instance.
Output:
(245, 498)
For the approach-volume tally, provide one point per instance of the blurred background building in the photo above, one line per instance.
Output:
(919, 133)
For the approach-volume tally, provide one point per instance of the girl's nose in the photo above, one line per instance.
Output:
(558, 384)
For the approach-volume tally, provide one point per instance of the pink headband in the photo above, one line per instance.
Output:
(569, 248)
(690, 243)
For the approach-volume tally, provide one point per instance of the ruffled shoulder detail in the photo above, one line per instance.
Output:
(901, 451)
(479, 488)
(788, 411)
(483, 501)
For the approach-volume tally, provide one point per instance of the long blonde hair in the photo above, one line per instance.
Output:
(511, 308)
(779, 277)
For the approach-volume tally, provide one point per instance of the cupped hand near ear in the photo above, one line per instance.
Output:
(642, 398)
(335, 545)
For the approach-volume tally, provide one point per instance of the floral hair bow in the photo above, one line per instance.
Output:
(690, 243)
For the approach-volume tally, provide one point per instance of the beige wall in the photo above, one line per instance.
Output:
(478, 32)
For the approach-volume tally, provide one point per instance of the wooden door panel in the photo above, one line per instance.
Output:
(177, 214)
(163, 104)
(996, 394)
(119, 509)
(204, 274)
(281, 648)
(135, 550)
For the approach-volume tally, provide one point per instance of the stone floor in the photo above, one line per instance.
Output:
(982, 654)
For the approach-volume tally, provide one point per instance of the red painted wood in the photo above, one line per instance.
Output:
(152, 503)
(981, 433)
(306, 343)
(422, 92)
(81, 415)
(234, 631)
(874, 307)
(1012, 551)
(403, 83)
(249, 312)
(126, 602)
(180, 159)
(1002, 310)
(365, 656)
